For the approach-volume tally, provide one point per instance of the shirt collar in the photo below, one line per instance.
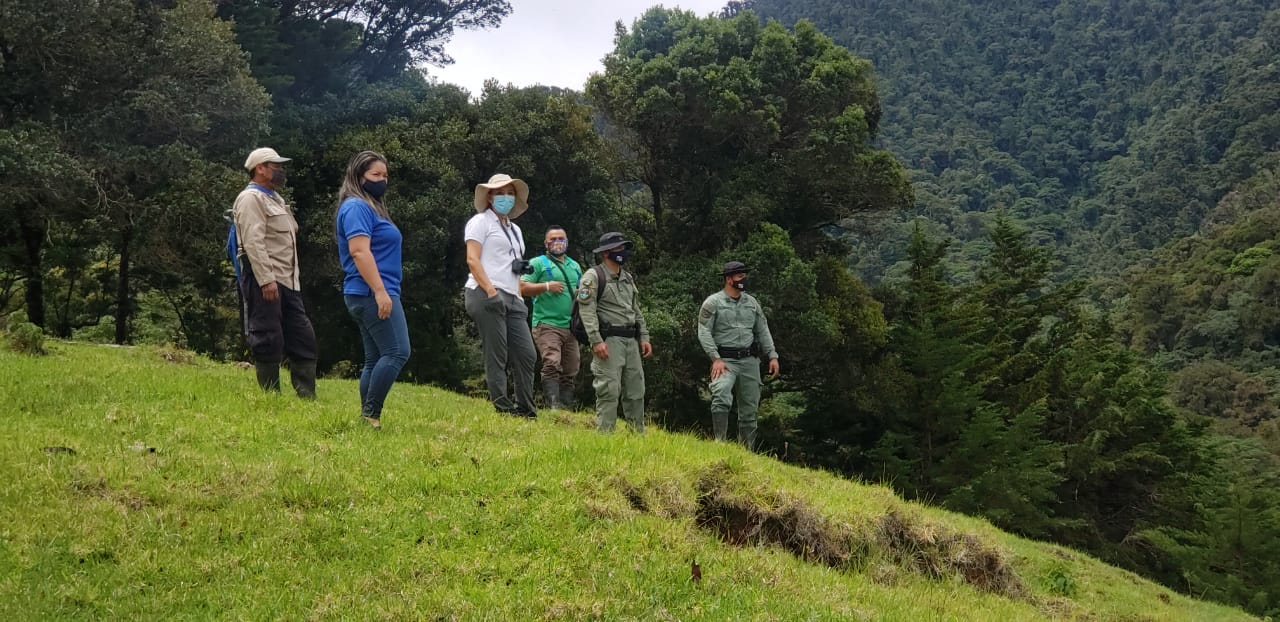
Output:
(263, 189)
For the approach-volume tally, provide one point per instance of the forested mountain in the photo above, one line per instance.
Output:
(1139, 143)
(1107, 127)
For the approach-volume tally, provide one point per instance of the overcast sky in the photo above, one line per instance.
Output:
(549, 42)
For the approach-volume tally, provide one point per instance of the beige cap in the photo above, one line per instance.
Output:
(260, 155)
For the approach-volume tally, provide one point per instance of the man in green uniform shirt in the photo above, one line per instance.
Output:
(551, 285)
(732, 330)
(615, 326)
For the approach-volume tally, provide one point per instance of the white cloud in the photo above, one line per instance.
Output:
(549, 42)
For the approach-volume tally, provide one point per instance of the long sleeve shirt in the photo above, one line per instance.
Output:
(268, 236)
(618, 304)
(725, 322)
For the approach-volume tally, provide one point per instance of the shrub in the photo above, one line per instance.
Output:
(343, 369)
(26, 338)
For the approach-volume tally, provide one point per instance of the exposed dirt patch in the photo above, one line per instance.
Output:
(741, 512)
(97, 487)
(938, 552)
(784, 521)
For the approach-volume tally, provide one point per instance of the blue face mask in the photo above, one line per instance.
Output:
(504, 203)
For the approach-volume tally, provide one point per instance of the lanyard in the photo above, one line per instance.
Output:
(511, 243)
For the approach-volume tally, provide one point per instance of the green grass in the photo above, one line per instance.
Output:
(264, 507)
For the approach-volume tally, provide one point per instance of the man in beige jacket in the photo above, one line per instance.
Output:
(267, 250)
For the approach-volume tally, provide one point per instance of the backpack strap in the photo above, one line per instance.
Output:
(546, 266)
(601, 278)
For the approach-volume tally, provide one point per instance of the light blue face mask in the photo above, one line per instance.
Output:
(504, 203)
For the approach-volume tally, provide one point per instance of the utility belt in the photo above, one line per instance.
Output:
(630, 332)
(739, 353)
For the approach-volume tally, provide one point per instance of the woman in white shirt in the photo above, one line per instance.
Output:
(495, 256)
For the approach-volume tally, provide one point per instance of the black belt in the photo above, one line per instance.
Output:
(631, 332)
(738, 353)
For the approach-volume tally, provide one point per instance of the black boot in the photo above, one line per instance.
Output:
(303, 374)
(551, 393)
(566, 396)
(268, 376)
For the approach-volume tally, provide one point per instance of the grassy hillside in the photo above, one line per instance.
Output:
(184, 493)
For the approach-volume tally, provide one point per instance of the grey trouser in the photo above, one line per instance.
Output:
(619, 378)
(741, 381)
(503, 324)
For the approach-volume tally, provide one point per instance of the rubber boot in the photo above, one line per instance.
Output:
(303, 375)
(720, 425)
(567, 401)
(551, 393)
(268, 376)
(747, 435)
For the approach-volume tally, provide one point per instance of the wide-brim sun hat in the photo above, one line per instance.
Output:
(498, 181)
(610, 240)
(734, 267)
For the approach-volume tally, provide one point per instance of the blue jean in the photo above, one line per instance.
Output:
(386, 349)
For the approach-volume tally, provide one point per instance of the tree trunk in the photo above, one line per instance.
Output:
(124, 303)
(64, 329)
(33, 233)
(655, 187)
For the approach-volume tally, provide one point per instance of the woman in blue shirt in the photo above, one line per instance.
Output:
(369, 248)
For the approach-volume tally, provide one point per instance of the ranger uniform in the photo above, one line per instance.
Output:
(733, 329)
(611, 315)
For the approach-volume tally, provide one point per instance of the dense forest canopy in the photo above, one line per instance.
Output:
(1107, 128)
(1019, 259)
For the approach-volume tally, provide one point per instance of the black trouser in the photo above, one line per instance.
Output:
(279, 328)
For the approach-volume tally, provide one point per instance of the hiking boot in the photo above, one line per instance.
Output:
(303, 375)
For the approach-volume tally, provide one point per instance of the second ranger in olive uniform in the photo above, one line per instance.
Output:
(732, 330)
(610, 311)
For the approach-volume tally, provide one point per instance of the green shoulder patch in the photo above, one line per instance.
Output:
(584, 293)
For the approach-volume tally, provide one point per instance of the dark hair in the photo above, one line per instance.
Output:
(551, 228)
(351, 180)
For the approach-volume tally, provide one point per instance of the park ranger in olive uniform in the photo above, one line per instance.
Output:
(610, 312)
(732, 330)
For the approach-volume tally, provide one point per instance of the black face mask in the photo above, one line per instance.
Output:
(620, 257)
(278, 177)
(375, 188)
(740, 285)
